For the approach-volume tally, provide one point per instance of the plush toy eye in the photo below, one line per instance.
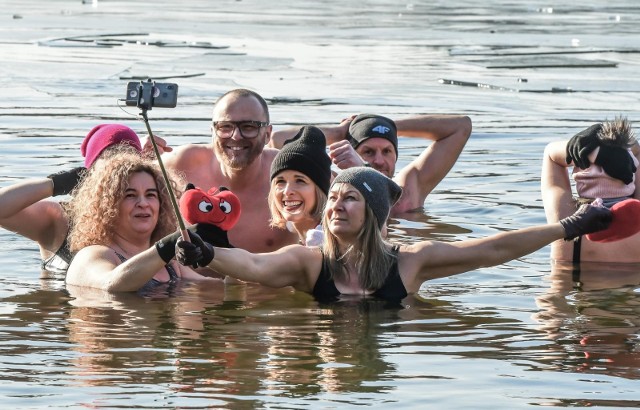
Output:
(225, 207)
(205, 206)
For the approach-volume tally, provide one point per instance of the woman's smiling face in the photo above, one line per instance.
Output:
(295, 195)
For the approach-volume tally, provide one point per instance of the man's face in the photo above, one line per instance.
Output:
(380, 154)
(236, 151)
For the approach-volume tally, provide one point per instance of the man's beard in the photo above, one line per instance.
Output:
(240, 161)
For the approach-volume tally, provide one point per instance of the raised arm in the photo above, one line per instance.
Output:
(635, 150)
(161, 143)
(555, 184)
(23, 209)
(449, 134)
(332, 133)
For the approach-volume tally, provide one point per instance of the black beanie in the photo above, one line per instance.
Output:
(306, 153)
(365, 126)
(379, 191)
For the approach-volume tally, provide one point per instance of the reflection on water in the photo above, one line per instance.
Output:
(516, 335)
(249, 346)
(593, 316)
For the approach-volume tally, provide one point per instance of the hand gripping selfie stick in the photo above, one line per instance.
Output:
(145, 103)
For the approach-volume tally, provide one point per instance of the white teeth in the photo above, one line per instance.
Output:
(292, 203)
(235, 148)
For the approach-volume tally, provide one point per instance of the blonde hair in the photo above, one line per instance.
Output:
(278, 221)
(373, 255)
(94, 207)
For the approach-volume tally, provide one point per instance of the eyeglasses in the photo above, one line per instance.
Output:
(248, 129)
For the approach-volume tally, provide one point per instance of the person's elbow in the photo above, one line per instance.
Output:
(466, 126)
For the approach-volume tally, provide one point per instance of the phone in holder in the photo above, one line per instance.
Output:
(149, 94)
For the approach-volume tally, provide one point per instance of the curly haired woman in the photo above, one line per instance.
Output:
(121, 208)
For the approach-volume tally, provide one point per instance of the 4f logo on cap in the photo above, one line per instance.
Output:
(381, 129)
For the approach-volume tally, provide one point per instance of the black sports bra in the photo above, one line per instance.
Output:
(392, 290)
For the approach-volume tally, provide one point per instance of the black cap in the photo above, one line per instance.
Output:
(306, 153)
(365, 126)
(379, 191)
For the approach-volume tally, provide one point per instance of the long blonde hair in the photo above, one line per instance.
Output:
(94, 207)
(372, 254)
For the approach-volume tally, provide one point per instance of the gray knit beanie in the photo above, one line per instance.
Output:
(379, 191)
(365, 126)
(306, 153)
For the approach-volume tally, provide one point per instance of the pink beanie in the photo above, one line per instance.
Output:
(105, 135)
(593, 182)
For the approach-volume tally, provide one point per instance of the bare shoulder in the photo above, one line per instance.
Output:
(189, 154)
(418, 255)
(420, 262)
(309, 260)
(301, 258)
(416, 248)
(270, 153)
(90, 260)
(301, 252)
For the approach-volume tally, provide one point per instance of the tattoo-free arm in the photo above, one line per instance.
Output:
(24, 211)
(449, 134)
(555, 185)
(293, 265)
(431, 260)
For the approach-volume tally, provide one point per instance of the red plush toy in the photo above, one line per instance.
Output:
(213, 212)
(625, 222)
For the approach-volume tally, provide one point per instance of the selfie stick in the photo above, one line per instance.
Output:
(174, 203)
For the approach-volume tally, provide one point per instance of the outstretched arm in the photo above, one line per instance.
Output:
(98, 266)
(449, 134)
(293, 265)
(431, 260)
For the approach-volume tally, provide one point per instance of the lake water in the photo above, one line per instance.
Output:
(514, 336)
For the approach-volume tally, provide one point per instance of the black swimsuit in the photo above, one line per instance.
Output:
(392, 290)
(575, 273)
(60, 260)
(152, 283)
(577, 243)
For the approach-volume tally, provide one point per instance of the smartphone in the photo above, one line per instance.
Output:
(149, 94)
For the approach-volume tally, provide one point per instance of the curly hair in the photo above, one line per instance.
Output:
(94, 207)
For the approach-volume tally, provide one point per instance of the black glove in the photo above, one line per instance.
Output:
(196, 253)
(166, 247)
(617, 163)
(212, 234)
(65, 181)
(586, 219)
(581, 145)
